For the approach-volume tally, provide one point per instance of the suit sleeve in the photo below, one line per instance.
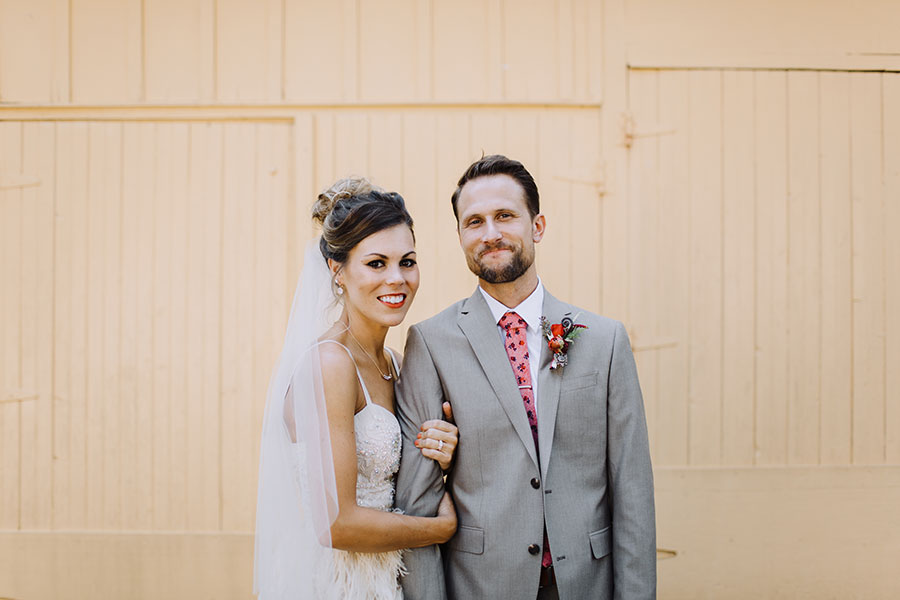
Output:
(631, 478)
(420, 483)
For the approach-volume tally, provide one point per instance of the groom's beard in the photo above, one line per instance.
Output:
(512, 270)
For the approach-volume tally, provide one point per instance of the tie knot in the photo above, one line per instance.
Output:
(512, 319)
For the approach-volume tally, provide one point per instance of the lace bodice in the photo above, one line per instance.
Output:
(377, 456)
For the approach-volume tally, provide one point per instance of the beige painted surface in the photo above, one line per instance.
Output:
(731, 196)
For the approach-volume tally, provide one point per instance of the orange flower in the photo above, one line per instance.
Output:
(556, 343)
(557, 330)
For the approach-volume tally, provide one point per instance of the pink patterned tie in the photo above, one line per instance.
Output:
(517, 351)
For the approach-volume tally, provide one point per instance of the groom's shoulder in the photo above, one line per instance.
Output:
(598, 325)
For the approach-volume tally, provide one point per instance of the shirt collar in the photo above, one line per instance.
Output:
(529, 309)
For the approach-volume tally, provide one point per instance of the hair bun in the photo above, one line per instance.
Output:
(340, 190)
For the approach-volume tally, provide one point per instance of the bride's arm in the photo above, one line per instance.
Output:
(358, 528)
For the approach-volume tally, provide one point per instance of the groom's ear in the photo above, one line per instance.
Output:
(538, 225)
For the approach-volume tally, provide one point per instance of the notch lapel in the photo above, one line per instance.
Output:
(548, 384)
(477, 323)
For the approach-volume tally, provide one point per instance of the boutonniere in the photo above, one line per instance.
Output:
(559, 337)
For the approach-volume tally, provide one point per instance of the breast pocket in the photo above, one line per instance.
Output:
(468, 539)
(579, 383)
(601, 542)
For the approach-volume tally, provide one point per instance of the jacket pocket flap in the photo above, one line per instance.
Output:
(468, 539)
(601, 542)
(577, 383)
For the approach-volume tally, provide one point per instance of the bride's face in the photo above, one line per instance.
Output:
(380, 276)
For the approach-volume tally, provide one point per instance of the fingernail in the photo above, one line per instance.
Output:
(418, 435)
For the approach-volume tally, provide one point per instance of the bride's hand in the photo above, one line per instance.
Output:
(437, 439)
(446, 516)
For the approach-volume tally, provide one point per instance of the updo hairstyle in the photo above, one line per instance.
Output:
(353, 209)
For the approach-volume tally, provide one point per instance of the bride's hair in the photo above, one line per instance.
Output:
(351, 210)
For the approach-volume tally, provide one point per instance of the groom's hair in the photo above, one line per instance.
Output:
(497, 164)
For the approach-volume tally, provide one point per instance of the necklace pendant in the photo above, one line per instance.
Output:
(387, 377)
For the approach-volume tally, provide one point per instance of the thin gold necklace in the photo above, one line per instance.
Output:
(386, 377)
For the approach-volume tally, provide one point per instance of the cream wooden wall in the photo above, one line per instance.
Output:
(731, 196)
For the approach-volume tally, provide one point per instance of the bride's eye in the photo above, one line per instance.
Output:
(375, 264)
(408, 262)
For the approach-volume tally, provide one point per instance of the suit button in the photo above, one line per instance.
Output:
(534, 549)
(535, 483)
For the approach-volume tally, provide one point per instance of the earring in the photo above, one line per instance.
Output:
(340, 291)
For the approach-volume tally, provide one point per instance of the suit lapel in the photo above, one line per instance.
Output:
(548, 385)
(478, 325)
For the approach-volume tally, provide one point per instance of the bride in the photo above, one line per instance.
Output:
(330, 445)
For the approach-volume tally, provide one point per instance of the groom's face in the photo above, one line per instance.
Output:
(496, 231)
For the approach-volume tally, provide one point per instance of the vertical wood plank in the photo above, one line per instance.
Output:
(587, 208)
(891, 140)
(868, 268)
(175, 168)
(834, 145)
(107, 64)
(270, 301)
(530, 62)
(388, 56)
(111, 322)
(642, 227)
(38, 30)
(705, 172)
(351, 145)
(202, 326)
(237, 324)
(317, 54)
(10, 327)
(615, 78)
(179, 49)
(565, 52)
(39, 140)
(462, 59)
(95, 514)
(385, 150)
(128, 325)
(161, 274)
(554, 174)
(804, 270)
(140, 187)
(674, 269)
(249, 50)
(70, 318)
(770, 125)
(739, 269)
(588, 40)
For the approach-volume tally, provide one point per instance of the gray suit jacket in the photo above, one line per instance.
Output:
(592, 482)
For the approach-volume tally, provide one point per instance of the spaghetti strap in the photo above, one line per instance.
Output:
(358, 374)
(394, 362)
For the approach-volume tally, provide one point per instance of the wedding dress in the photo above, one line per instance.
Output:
(365, 575)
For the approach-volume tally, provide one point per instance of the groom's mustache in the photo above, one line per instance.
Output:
(498, 246)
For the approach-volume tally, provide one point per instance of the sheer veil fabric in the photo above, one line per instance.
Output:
(297, 495)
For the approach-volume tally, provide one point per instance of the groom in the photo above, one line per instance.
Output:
(551, 479)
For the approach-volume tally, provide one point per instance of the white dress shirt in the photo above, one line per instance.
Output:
(530, 310)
